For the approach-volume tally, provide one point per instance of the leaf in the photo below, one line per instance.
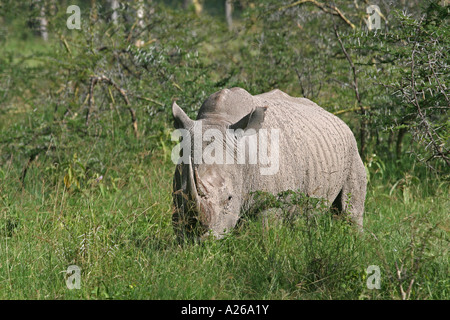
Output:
(67, 181)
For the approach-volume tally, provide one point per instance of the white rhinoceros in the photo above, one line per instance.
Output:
(270, 142)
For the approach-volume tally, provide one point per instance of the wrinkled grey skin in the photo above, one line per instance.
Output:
(318, 155)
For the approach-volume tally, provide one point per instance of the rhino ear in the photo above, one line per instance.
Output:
(181, 119)
(253, 120)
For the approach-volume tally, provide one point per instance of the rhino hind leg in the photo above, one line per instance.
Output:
(353, 194)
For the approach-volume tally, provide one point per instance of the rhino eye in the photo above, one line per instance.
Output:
(229, 198)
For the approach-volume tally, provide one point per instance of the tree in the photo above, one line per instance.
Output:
(114, 6)
(40, 9)
(228, 13)
(198, 6)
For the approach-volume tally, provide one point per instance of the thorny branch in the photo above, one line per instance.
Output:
(327, 8)
(362, 109)
(123, 93)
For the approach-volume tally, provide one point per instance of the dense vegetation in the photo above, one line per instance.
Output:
(85, 146)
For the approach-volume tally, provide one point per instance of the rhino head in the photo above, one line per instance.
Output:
(209, 183)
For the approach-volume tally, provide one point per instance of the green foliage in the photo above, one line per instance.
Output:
(315, 256)
(407, 70)
(97, 193)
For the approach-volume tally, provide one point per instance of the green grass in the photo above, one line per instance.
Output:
(121, 237)
(99, 198)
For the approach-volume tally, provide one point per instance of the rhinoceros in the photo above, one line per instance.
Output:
(309, 150)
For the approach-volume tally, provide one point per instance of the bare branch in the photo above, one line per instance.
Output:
(328, 8)
(350, 110)
(363, 129)
(123, 93)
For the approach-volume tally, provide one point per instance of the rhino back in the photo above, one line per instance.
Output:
(316, 148)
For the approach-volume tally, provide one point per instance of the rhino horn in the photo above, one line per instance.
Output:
(202, 190)
(191, 188)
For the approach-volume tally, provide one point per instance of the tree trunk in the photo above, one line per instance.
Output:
(140, 14)
(43, 22)
(114, 7)
(198, 7)
(93, 10)
(398, 149)
(390, 141)
(362, 137)
(228, 13)
(140, 23)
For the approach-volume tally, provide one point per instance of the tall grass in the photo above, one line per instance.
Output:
(99, 198)
(119, 233)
